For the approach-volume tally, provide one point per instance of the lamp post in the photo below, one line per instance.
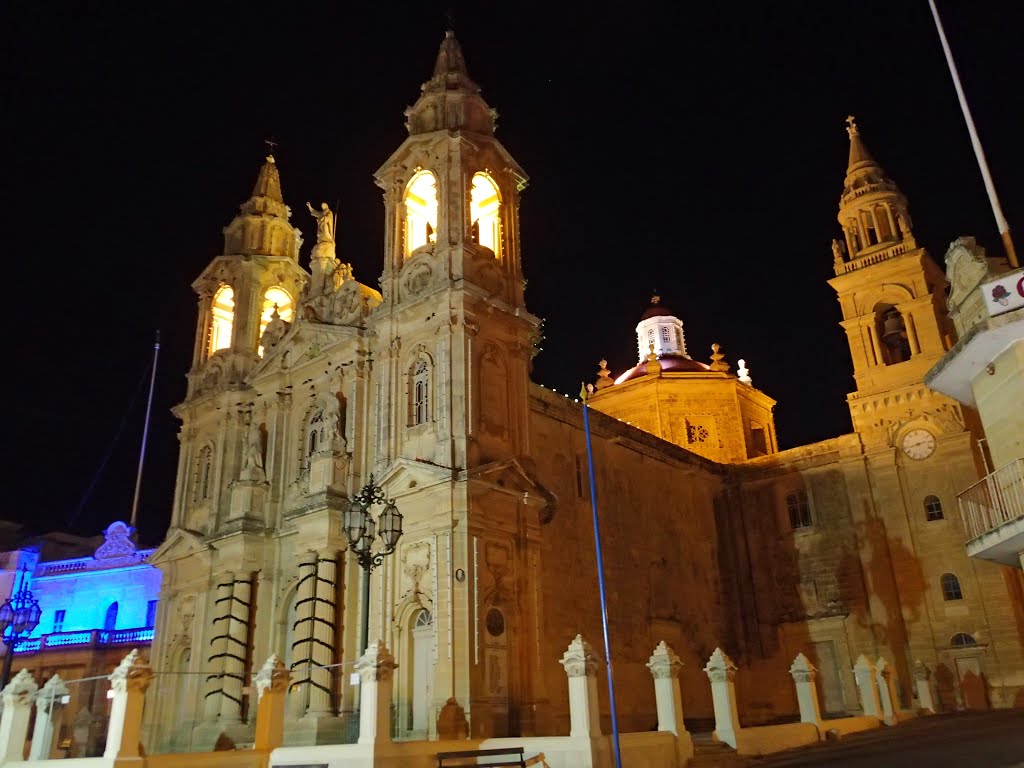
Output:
(19, 615)
(361, 530)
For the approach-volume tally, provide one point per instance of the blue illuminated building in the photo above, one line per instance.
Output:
(95, 607)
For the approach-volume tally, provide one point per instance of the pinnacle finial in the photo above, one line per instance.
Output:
(718, 359)
(851, 126)
(604, 379)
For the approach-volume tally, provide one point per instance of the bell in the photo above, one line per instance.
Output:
(893, 330)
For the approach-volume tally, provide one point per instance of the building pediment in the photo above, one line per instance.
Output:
(405, 476)
(515, 477)
(180, 544)
(302, 344)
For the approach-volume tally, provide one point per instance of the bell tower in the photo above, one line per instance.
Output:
(891, 293)
(453, 322)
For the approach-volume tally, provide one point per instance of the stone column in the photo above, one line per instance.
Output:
(923, 683)
(580, 666)
(129, 683)
(17, 697)
(301, 650)
(665, 667)
(376, 668)
(721, 672)
(49, 706)
(892, 222)
(237, 628)
(323, 633)
(886, 690)
(271, 683)
(218, 647)
(875, 342)
(803, 673)
(867, 685)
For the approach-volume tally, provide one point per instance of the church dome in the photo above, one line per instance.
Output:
(670, 363)
(656, 309)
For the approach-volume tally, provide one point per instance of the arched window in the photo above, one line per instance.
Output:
(932, 508)
(316, 436)
(951, 587)
(419, 392)
(484, 210)
(420, 211)
(799, 510)
(110, 620)
(204, 465)
(222, 319)
(424, 619)
(961, 640)
(275, 297)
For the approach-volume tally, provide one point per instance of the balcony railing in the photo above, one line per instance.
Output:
(994, 500)
(90, 638)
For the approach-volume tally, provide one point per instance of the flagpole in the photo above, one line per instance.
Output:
(600, 580)
(990, 188)
(145, 434)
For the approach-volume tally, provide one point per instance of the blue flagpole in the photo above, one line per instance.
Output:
(600, 581)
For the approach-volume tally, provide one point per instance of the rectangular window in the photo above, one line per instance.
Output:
(580, 492)
(799, 510)
(151, 613)
(757, 439)
(58, 621)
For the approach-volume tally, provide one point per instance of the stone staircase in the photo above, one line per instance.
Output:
(714, 754)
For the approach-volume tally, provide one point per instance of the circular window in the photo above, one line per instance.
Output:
(495, 622)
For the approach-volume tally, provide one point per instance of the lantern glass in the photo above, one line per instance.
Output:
(354, 520)
(6, 616)
(366, 542)
(390, 526)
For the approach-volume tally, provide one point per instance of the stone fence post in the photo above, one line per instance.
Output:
(17, 698)
(128, 682)
(804, 673)
(867, 685)
(376, 668)
(923, 681)
(665, 667)
(721, 672)
(580, 666)
(271, 682)
(49, 705)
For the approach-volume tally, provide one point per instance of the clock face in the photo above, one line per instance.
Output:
(918, 444)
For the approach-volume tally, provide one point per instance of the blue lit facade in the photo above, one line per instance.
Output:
(106, 600)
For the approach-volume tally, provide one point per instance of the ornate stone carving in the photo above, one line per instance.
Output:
(51, 693)
(21, 690)
(579, 659)
(273, 676)
(664, 663)
(377, 664)
(802, 670)
(132, 674)
(417, 278)
(117, 542)
(720, 668)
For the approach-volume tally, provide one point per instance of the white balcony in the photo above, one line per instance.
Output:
(993, 515)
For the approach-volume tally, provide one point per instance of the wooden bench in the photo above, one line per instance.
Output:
(471, 757)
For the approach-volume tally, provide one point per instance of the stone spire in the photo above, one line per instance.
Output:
(261, 226)
(872, 209)
(450, 100)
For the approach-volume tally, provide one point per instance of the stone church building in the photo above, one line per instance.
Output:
(306, 382)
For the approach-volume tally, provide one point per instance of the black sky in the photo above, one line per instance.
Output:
(698, 149)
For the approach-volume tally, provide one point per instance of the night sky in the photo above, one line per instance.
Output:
(696, 149)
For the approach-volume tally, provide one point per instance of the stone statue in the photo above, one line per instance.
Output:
(342, 272)
(838, 249)
(253, 448)
(904, 223)
(274, 332)
(324, 223)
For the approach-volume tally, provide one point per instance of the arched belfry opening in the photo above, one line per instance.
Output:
(222, 319)
(420, 211)
(275, 298)
(485, 210)
(892, 330)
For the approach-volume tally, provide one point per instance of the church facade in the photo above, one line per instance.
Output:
(306, 385)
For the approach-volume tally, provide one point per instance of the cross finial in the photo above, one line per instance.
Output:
(271, 144)
(851, 126)
(449, 18)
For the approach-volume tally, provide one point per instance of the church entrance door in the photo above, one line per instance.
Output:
(423, 670)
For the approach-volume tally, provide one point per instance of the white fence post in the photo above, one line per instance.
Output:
(721, 672)
(923, 681)
(128, 682)
(49, 705)
(17, 698)
(580, 666)
(665, 667)
(864, 672)
(804, 673)
(376, 668)
(886, 691)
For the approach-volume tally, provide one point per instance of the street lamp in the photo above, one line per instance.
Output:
(19, 615)
(361, 530)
